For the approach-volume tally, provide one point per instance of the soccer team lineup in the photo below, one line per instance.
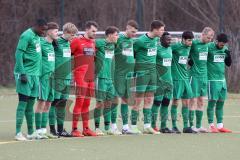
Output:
(124, 74)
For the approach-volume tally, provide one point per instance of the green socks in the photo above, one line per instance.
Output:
(134, 117)
(97, 116)
(52, 115)
(219, 111)
(147, 115)
(199, 115)
(30, 115)
(191, 117)
(210, 111)
(38, 120)
(154, 111)
(60, 115)
(44, 119)
(114, 113)
(20, 115)
(185, 115)
(107, 117)
(124, 113)
(174, 115)
(164, 116)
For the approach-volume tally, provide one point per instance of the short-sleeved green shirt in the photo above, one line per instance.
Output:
(199, 54)
(145, 50)
(48, 57)
(179, 62)
(105, 53)
(63, 60)
(215, 62)
(124, 56)
(164, 59)
(29, 44)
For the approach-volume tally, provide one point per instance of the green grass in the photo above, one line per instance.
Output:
(172, 147)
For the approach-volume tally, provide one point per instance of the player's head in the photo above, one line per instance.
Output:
(207, 35)
(40, 27)
(112, 34)
(157, 28)
(131, 28)
(52, 31)
(69, 31)
(221, 40)
(187, 37)
(166, 39)
(91, 28)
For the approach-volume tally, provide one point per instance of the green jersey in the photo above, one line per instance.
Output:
(29, 46)
(105, 54)
(145, 49)
(164, 59)
(180, 59)
(48, 57)
(124, 57)
(215, 62)
(63, 59)
(199, 54)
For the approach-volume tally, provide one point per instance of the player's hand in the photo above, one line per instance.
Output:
(228, 59)
(23, 78)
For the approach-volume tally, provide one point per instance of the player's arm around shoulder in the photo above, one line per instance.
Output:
(74, 45)
(137, 46)
(175, 46)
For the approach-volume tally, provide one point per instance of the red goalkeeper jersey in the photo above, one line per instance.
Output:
(83, 50)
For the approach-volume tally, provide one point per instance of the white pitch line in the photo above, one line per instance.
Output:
(8, 142)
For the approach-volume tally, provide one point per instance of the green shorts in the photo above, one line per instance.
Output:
(104, 89)
(123, 85)
(146, 81)
(217, 90)
(46, 88)
(31, 88)
(62, 88)
(165, 89)
(199, 86)
(182, 89)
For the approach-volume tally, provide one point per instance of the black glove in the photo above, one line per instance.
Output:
(228, 59)
(23, 78)
(190, 62)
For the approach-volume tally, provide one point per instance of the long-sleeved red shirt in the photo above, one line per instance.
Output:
(83, 50)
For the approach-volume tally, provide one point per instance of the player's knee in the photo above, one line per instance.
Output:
(148, 101)
(165, 102)
(175, 102)
(23, 98)
(99, 104)
(157, 103)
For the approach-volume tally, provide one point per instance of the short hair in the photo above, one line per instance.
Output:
(222, 37)
(132, 23)
(187, 35)
(70, 28)
(206, 30)
(52, 25)
(164, 34)
(40, 22)
(156, 24)
(111, 30)
(88, 24)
